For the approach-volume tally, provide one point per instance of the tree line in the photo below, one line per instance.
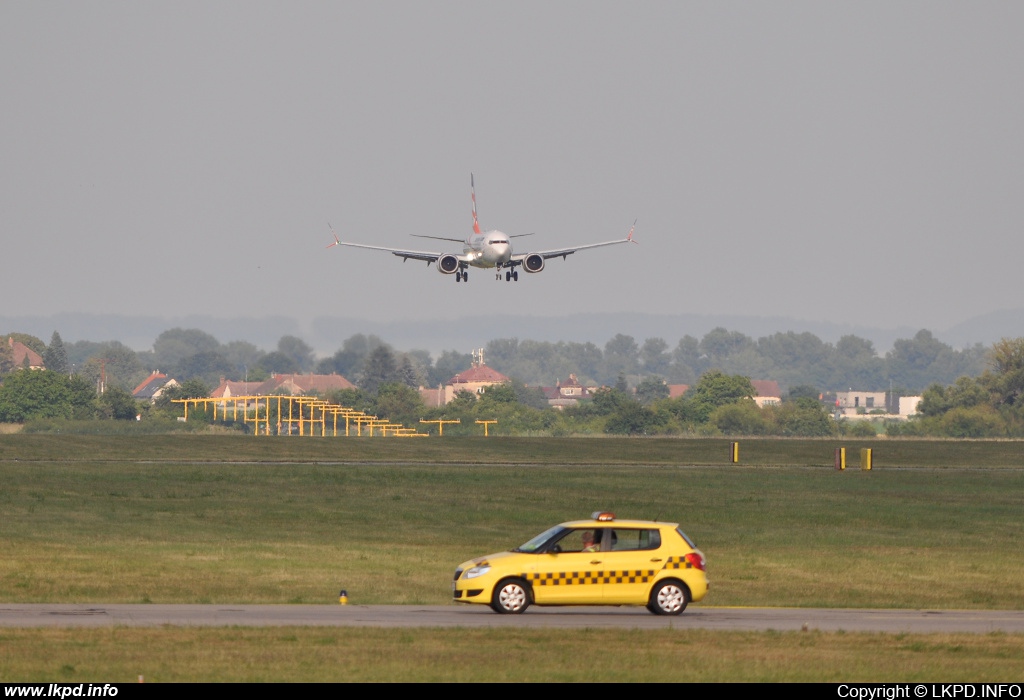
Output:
(790, 358)
(989, 405)
(719, 403)
(965, 396)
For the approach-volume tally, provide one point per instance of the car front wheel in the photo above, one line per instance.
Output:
(668, 598)
(510, 597)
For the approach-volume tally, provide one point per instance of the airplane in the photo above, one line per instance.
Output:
(484, 249)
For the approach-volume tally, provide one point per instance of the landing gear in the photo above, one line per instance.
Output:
(510, 276)
(462, 276)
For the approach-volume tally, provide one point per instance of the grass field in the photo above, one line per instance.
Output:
(320, 654)
(242, 519)
(184, 447)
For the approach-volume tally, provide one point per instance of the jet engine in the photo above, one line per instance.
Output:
(533, 262)
(448, 264)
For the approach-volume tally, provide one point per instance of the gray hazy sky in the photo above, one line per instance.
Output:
(855, 162)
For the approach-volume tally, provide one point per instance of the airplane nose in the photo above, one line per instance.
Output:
(499, 252)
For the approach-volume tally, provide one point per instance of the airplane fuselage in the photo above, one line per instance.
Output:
(487, 249)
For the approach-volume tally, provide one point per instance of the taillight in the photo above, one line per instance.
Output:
(695, 560)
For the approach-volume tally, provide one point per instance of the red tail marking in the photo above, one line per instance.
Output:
(337, 241)
(630, 236)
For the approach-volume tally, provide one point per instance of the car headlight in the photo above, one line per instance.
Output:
(477, 571)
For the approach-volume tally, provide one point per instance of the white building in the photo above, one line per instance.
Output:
(852, 403)
(909, 405)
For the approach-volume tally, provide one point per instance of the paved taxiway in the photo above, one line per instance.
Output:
(696, 617)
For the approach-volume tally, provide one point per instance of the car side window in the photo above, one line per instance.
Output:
(632, 540)
(586, 540)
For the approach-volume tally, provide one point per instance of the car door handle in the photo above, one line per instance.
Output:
(596, 561)
(656, 559)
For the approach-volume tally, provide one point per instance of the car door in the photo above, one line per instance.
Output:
(570, 572)
(633, 558)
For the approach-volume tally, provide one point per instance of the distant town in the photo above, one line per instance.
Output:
(725, 383)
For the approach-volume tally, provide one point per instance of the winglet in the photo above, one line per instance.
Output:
(629, 237)
(472, 193)
(337, 241)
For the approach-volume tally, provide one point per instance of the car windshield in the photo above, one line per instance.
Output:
(538, 542)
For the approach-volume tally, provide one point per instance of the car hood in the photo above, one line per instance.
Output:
(491, 559)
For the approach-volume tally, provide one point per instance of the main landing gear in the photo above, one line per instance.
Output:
(510, 275)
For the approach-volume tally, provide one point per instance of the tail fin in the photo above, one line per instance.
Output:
(337, 241)
(629, 237)
(472, 193)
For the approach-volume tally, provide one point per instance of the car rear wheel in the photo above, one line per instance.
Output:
(668, 598)
(510, 597)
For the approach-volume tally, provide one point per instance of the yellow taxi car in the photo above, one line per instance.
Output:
(600, 561)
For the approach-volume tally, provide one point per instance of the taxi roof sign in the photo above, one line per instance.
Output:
(602, 516)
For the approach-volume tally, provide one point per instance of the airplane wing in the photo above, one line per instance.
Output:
(565, 252)
(438, 238)
(426, 256)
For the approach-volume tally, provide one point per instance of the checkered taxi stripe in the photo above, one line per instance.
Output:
(678, 563)
(583, 578)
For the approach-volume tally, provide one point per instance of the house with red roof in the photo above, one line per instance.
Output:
(153, 386)
(677, 390)
(24, 356)
(229, 389)
(308, 384)
(568, 392)
(767, 393)
(475, 380)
